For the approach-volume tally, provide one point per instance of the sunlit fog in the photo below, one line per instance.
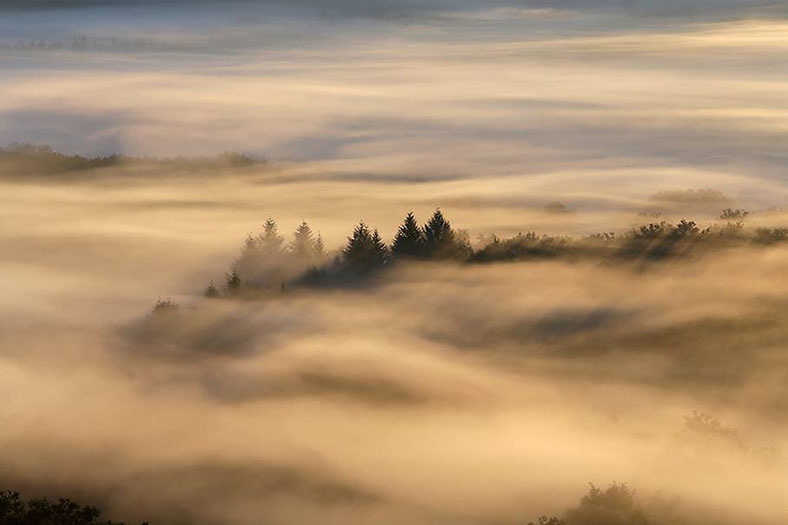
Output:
(396, 262)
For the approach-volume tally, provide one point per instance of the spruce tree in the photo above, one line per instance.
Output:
(439, 238)
(269, 241)
(319, 249)
(357, 248)
(211, 291)
(250, 243)
(379, 251)
(233, 283)
(303, 243)
(409, 241)
(365, 249)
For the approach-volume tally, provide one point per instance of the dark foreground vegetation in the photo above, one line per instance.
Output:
(15, 511)
(267, 262)
(616, 505)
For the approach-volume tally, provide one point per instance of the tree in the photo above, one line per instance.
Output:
(614, 506)
(164, 308)
(211, 291)
(440, 241)
(685, 229)
(303, 244)
(269, 241)
(14, 511)
(380, 252)
(233, 282)
(320, 248)
(365, 249)
(544, 520)
(409, 241)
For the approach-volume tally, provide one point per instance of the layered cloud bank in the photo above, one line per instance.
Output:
(549, 93)
(438, 392)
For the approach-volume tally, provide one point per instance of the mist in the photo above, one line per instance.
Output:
(460, 389)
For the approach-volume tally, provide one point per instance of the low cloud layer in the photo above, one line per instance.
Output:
(436, 394)
(520, 92)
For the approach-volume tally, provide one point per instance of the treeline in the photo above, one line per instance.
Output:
(27, 159)
(267, 262)
(15, 511)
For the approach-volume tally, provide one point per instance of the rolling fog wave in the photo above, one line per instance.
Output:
(437, 393)
(490, 388)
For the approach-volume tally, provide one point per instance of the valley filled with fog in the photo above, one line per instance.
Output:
(609, 309)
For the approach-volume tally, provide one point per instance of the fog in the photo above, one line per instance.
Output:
(435, 391)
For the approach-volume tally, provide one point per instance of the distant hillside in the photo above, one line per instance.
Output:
(30, 160)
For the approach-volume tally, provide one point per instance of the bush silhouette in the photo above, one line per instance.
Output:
(14, 511)
(544, 520)
(729, 214)
(615, 505)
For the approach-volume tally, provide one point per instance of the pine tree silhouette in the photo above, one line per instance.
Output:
(409, 241)
(365, 249)
(439, 238)
(380, 252)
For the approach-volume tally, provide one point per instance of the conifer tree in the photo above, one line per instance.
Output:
(365, 249)
(303, 243)
(409, 241)
(269, 241)
(319, 249)
(211, 291)
(380, 252)
(233, 282)
(357, 246)
(439, 238)
(250, 243)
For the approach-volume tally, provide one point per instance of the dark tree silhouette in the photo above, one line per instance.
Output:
(233, 283)
(14, 511)
(442, 242)
(365, 249)
(379, 249)
(409, 241)
(685, 229)
(439, 240)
